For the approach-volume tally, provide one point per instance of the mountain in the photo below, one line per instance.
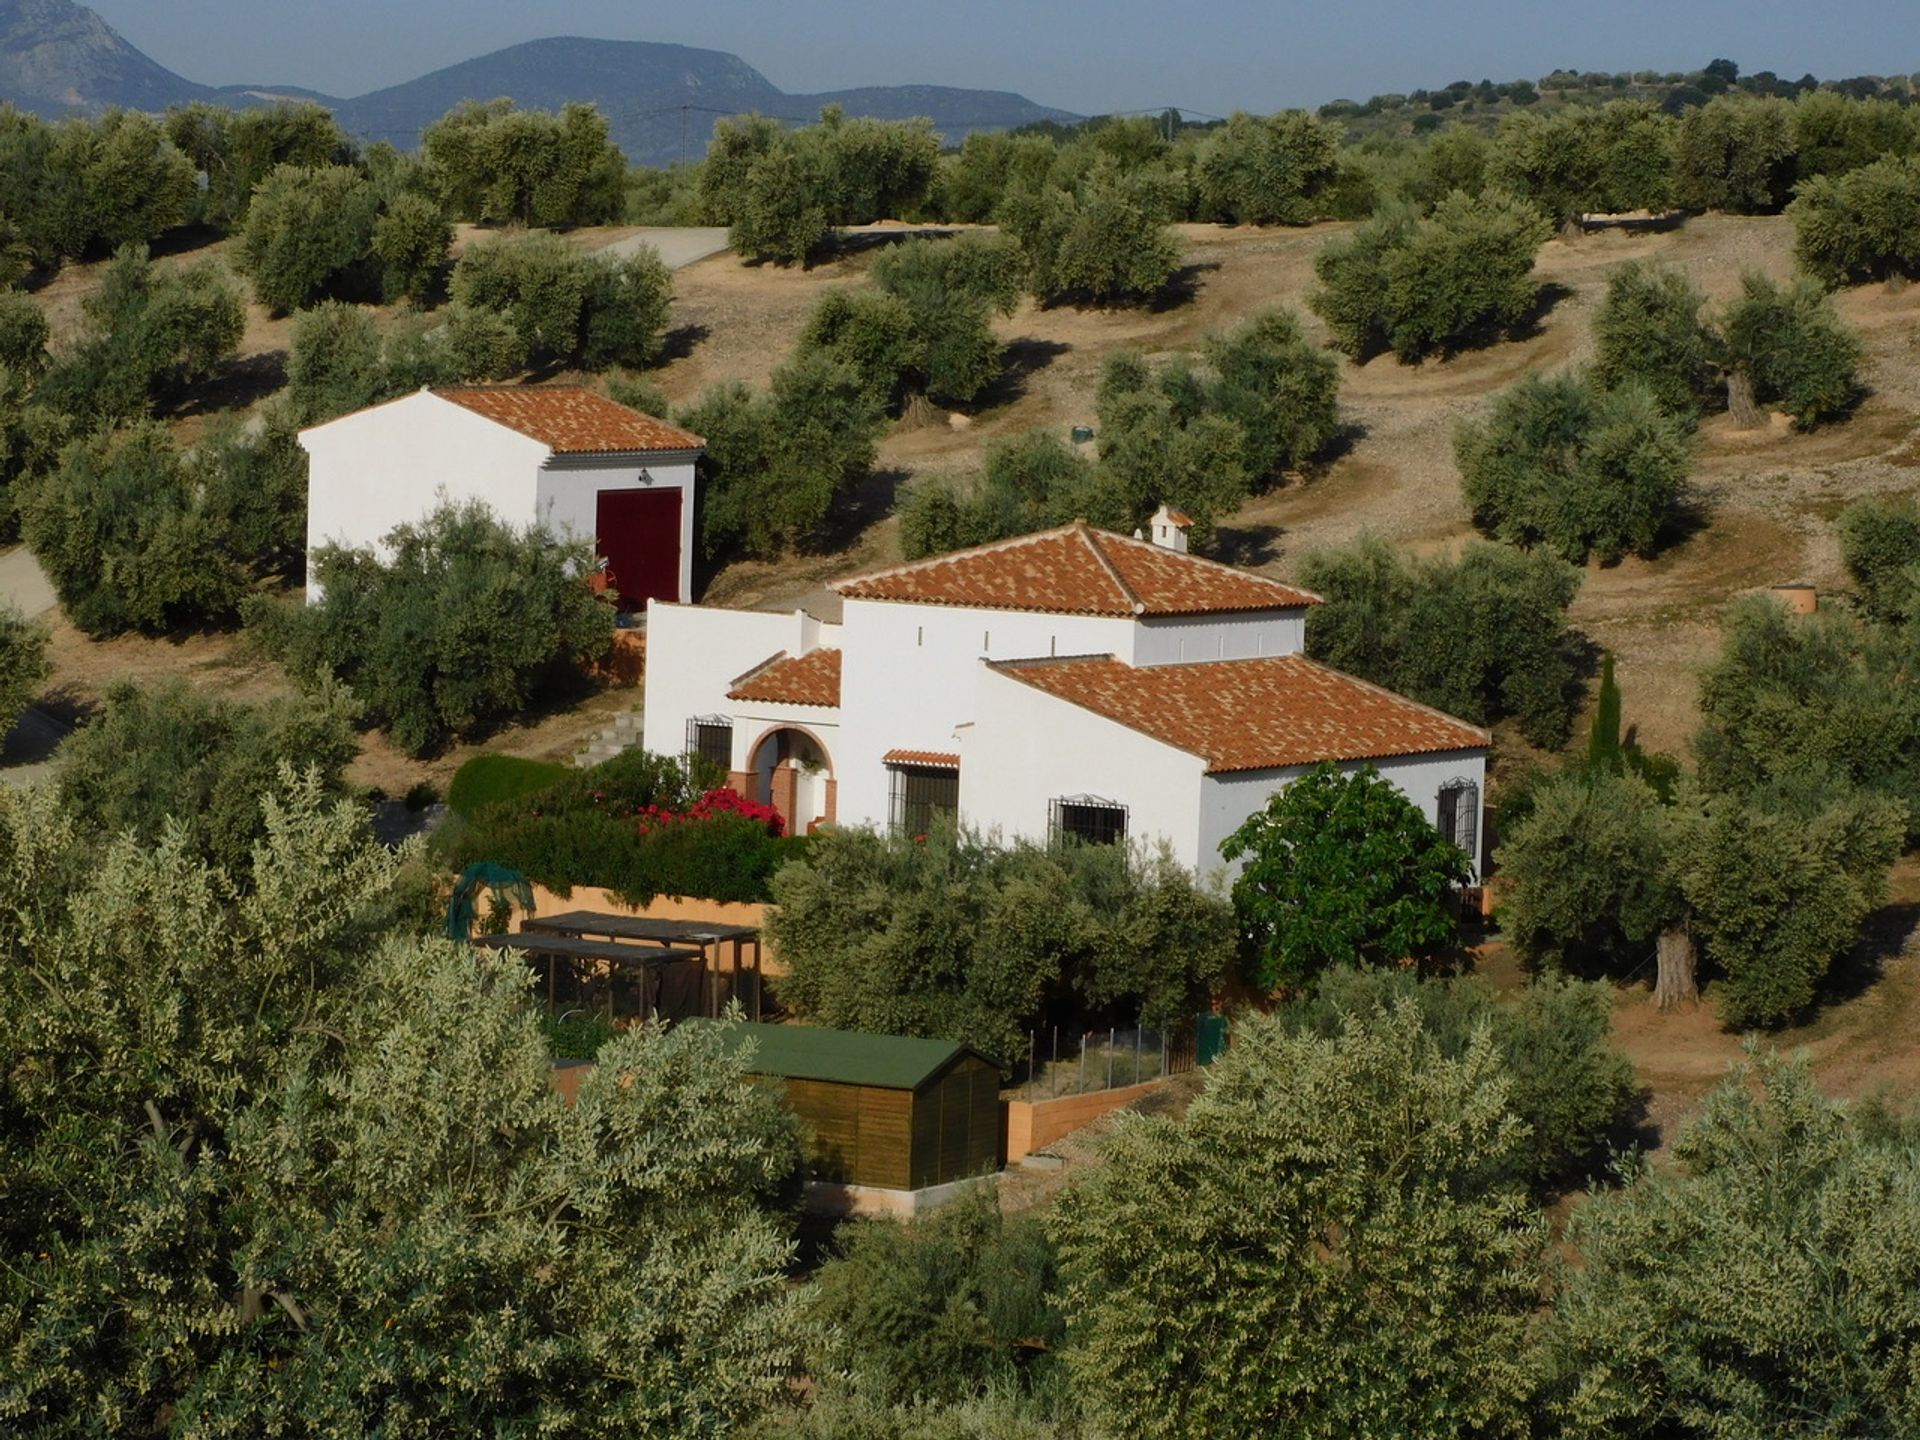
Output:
(661, 101)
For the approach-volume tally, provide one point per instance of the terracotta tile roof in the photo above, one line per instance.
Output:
(933, 759)
(1076, 570)
(1251, 714)
(570, 419)
(809, 679)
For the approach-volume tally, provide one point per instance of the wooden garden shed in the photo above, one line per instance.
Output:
(883, 1110)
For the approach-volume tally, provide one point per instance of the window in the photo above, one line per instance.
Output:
(1089, 819)
(1459, 816)
(922, 795)
(710, 738)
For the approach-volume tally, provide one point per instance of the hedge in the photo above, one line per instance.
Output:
(488, 779)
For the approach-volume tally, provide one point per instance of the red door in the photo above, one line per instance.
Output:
(639, 535)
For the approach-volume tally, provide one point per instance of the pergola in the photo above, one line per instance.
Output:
(629, 941)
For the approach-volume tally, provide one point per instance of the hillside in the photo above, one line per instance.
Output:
(58, 58)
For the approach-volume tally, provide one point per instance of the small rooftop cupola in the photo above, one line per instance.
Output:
(1169, 529)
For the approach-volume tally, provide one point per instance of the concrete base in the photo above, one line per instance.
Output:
(824, 1198)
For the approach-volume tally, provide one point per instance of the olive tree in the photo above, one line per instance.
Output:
(1735, 153)
(1582, 473)
(494, 163)
(1267, 170)
(411, 238)
(1649, 329)
(1103, 241)
(1880, 543)
(1338, 1245)
(1862, 225)
(1787, 347)
(24, 665)
(306, 231)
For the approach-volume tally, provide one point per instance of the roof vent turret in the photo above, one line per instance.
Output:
(1169, 529)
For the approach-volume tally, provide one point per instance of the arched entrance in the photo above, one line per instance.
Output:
(792, 772)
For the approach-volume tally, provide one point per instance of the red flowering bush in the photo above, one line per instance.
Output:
(713, 805)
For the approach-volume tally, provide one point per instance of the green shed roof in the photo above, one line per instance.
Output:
(807, 1052)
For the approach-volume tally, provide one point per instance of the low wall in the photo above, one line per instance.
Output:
(1035, 1124)
(625, 665)
(664, 907)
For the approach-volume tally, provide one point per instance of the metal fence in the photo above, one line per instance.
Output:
(1069, 1060)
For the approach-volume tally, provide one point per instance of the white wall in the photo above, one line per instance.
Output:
(910, 673)
(1027, 749)
(393, 464)
(696, 652)
(1186, 639)
(567, 495)
(1227, 800)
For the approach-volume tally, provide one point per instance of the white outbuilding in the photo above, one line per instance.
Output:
(1071, 682)
(560, 456)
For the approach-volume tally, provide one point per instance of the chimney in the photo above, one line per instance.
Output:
(1169, 529)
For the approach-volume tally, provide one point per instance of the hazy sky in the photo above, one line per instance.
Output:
(1084, 55)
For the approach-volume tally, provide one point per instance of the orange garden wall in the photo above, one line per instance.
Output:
(1035, 1124)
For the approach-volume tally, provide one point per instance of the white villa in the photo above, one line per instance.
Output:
(561, 456)
(1070, 682)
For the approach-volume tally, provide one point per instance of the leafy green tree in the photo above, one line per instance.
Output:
(124, 534)
(874, 169)
(1587, 874)
(1482, 636)
(307, 231)
(1569, 1085)
(1437, 285)
(1880, 542)
(24, 666)
(235, 150)
(1337, 1246)
(1277, 386)
(1787, 347)
(944, 1307)
(1815, 700)
(1863, 225)
(1102, 241)
(872, 334)
(1267, 170)
(145, 329)
(624, 304)
(173, 755)
(990, 165)
(777, 463)
(1760, 1284)
(1613, 158)
(24, 333)
(333, 363)
(1341, 869)
(1155, 449)
(1454, 158)
(1030, 481)
(253, 481)
(1581, 473)
(1735, 153)
(596, 309)
(951, 290)
(494, 163)
(411, 238)
(1649, 329)
(465, 623)
(99, 185)
(265, 1204)
(959, 939)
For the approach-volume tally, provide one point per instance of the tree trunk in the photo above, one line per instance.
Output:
(1677, 983)
(1740, 404)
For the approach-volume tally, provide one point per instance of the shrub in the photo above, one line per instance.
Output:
(778, 464)
(945, 1307)
(172, 755)
(1880, 542)
(601, 827)
(1568, 1083)
(1429, 286)
(23, 334)
(1579, 472)
(1483, 636)
(24, 666)
(1863, 225)
(1338, 1247)
(962, 940)
(1649, 330)
(468, 623)
(126, 537)
(1788, 348)
(488, 779)
(307, 229)
(1759, 1279)
(1341, 870)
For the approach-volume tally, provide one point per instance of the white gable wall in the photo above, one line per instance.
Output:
(393, 464)
(567, 495)
(1027, 749)
(909, 675)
